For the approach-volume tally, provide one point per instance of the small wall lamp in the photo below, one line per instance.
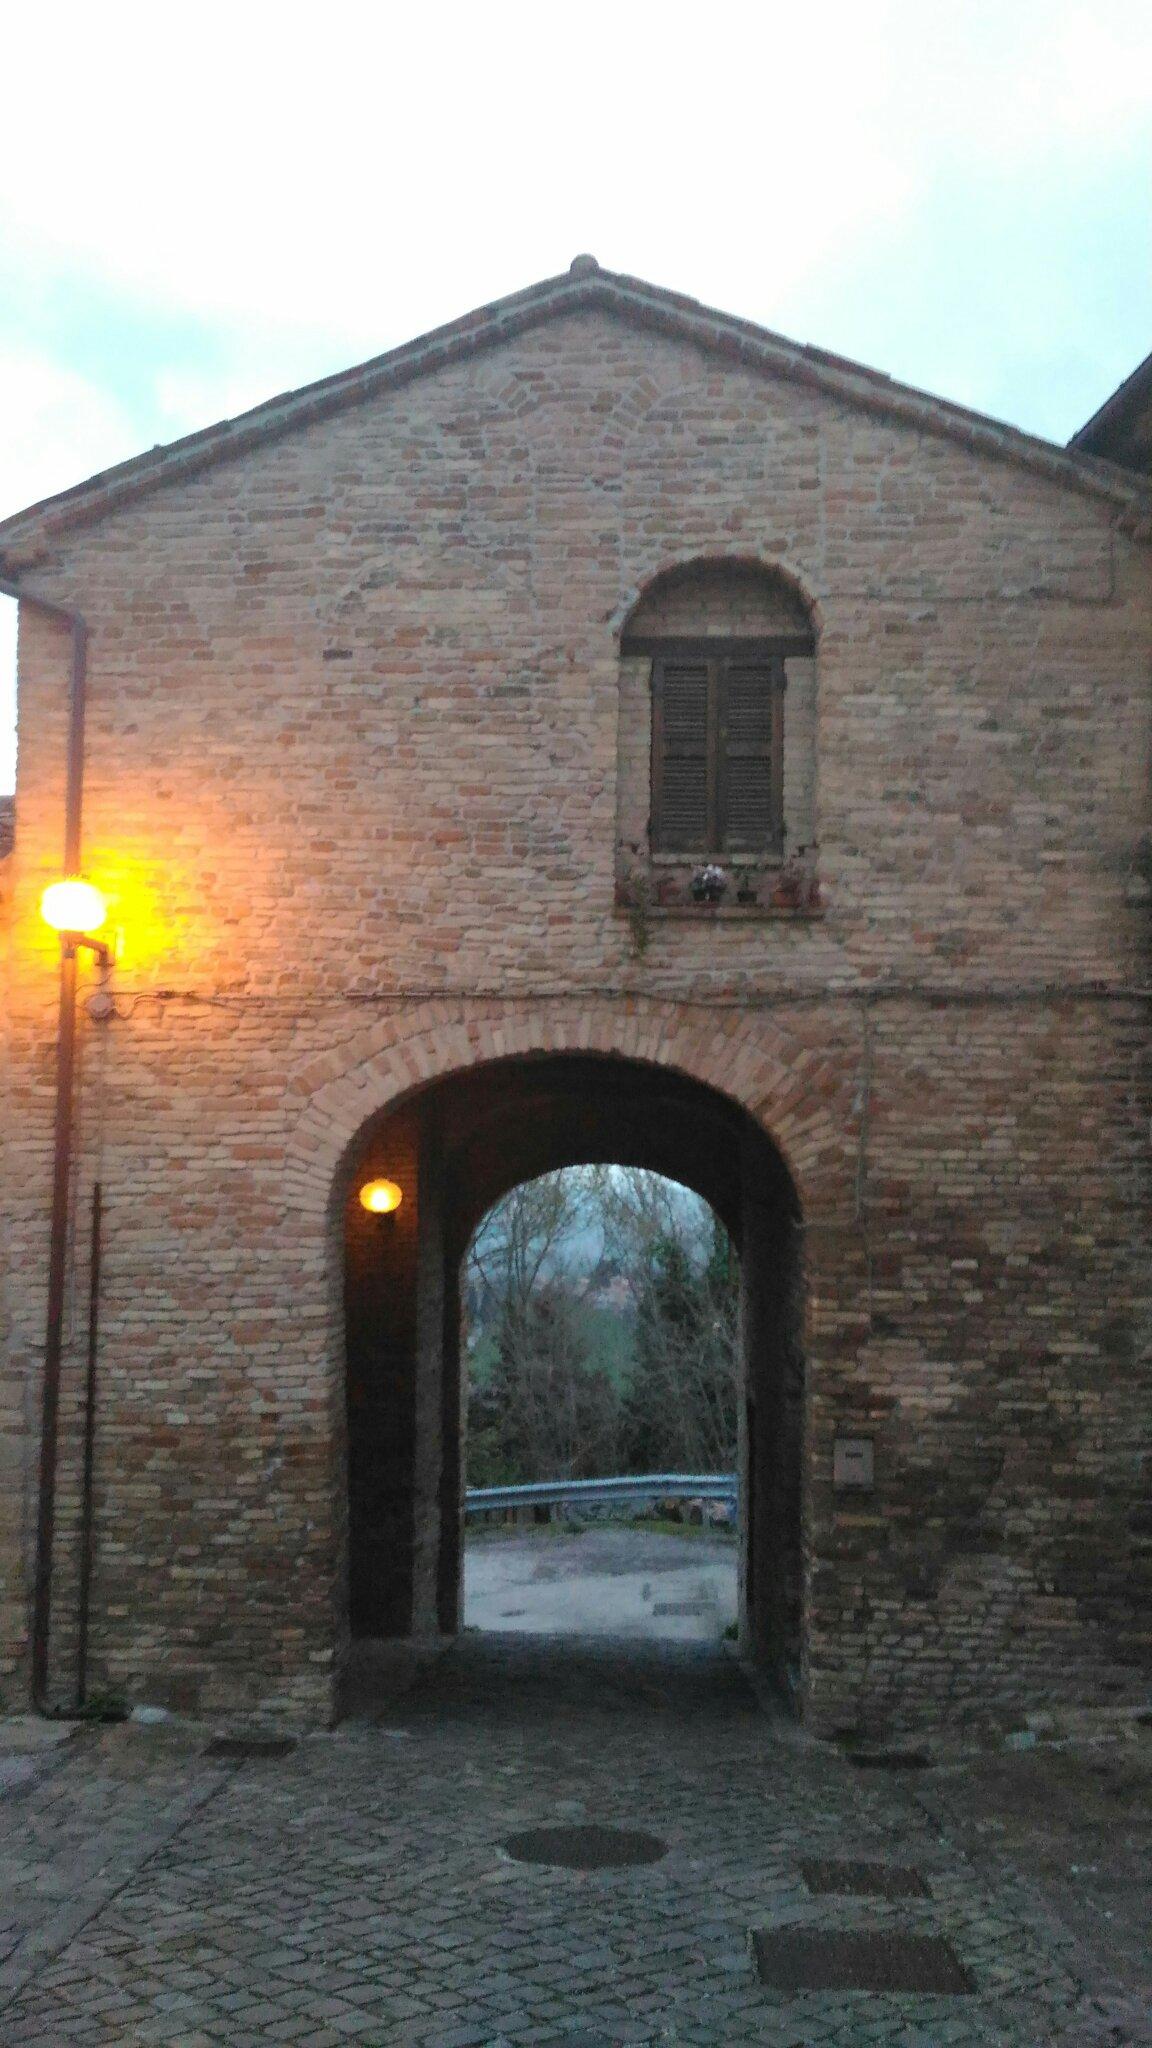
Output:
(381, 1197)
(76, 909)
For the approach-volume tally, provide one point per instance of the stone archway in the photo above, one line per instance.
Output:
(733, 1106)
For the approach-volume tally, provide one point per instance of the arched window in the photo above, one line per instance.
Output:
(717, 742)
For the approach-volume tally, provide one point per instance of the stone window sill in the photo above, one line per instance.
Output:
(736, 863)
(731, 913)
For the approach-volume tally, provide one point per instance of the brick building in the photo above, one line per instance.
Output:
(1121, 431)
(416, 705)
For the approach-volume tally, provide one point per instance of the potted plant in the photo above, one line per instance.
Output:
(797, 886)
(709, 884)
(786, 888)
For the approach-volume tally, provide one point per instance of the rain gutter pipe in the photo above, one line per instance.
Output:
(61, 1162)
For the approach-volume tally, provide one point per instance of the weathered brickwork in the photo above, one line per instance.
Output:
(358, 756)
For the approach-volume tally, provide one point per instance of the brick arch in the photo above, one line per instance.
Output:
(528, 388)
(736, 556)
(801, 1099)
(382, 579)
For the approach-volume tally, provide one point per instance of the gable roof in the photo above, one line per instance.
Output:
(584, 287)
(1121, 429)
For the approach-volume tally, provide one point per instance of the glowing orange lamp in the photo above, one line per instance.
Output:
(76, 909)
(73, 906)
(381, 1197)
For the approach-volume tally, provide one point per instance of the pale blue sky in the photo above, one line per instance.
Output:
(199, 209)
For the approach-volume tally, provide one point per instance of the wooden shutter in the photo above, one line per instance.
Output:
(718, 751)
(750, 754)
(683, 750)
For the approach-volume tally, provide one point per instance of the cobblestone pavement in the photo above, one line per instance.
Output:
(355, 1891)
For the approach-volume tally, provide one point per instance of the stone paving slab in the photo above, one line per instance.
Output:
(606, 1581)
(357, 1890)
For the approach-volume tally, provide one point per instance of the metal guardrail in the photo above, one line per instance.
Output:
(646, 1486)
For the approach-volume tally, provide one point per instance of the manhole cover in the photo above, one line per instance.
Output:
(790, 1959)
(585, 1847)
(830, 1878)
(246, 1748)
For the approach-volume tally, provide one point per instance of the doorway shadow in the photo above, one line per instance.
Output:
(509, 1682)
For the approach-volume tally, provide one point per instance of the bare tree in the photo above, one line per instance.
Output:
(545, 1409)
(681, 1406)
(545, 1404)
(523, 1240)
(559, 1412)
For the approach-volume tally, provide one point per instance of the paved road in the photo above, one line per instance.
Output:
(602, 1582)
(357, 1891)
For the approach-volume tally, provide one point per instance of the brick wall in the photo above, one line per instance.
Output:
(354, 765)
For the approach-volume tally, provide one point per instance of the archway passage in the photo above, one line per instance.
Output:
(454, 1148)
(600, 1335)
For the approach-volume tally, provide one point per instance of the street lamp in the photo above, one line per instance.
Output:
(77, 910)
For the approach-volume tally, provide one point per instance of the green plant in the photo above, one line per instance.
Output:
(102, 1704)
(634, 896)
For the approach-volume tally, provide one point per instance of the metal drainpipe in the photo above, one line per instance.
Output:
(62, 1152)
(87, 1532)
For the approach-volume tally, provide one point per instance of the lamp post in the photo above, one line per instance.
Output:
(76, 910)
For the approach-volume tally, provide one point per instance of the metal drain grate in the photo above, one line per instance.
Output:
(249, 1748)
(890, 1759)
(585, 1848)
(829, 1878)
(682, 1607)
(790, 1959)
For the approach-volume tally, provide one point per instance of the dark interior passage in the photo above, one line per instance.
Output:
(454, 1148)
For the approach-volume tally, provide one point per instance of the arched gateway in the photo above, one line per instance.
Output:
(458, 1108)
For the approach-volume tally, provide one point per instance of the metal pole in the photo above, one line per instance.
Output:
(54, 1328)
(86, 1501)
